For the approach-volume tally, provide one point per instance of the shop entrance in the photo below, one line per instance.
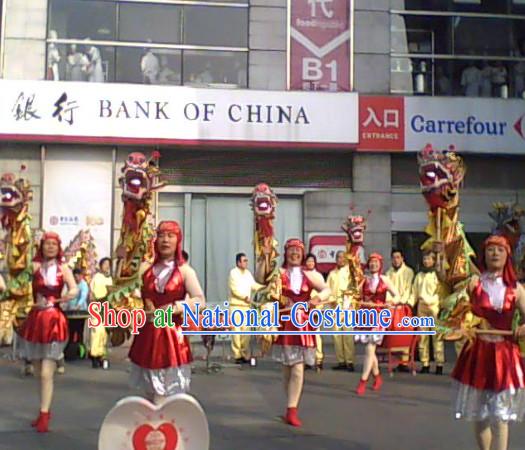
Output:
(217, 227)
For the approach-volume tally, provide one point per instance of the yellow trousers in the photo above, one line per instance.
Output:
(319, 356)
(98, 342)
(344, 346)
(240, 343)
(437, 342)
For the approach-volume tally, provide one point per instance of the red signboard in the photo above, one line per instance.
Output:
(320, 36)
(325, 248)
(381, 123)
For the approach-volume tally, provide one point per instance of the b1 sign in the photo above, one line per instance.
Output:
(320, 45)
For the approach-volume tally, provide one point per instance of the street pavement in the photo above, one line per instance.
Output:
(243, 407)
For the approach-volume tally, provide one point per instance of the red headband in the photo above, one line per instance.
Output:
(509, 275)
(294, 242)
(170, 226)
(49, 235)
(377, 256)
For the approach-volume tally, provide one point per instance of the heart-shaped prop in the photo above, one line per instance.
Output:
(134, 423)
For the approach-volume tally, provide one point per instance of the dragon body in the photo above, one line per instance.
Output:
(139, 181)
(354, 227)
(15, 197)
(263, 204)
(81, 254)
(441, 174)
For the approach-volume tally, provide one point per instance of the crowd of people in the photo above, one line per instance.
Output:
(489, 374)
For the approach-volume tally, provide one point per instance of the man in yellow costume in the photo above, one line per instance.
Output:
(428, 292)
(338, 280)
(402, 277)
(98, 339)
(241, 285)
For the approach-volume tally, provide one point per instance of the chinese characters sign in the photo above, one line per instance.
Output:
(381, 123)
(320, 51)
(121, 113)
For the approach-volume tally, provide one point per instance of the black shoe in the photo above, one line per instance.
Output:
(350, 367)
(340, 366)
(425, 369)
(319, 366)
(95, 363)
(402, 368)
(239, 360)
(308, 367)
(245, 360)
(439, 370)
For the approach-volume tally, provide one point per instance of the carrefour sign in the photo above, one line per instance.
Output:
(478, 125)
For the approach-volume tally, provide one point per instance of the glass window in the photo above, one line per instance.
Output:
(486, 6)
(78, 19)
(483, 36)
(215, 68)
(150, 66)
(80, 62)
(206, 25)
(149, 22)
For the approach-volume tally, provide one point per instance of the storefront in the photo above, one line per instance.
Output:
(488, 134)
(215, 146)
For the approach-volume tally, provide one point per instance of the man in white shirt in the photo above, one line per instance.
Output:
(241, 284)
(471, 80)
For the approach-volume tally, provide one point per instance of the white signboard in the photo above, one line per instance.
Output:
(125, 113)
(475, 125)
(77, 196)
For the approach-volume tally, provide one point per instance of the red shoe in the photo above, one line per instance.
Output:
(291, 417)
(43, 424)
(35, 422)
(378, 382)
(361, 387)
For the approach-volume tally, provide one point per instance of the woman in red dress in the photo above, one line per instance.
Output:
(161, 357)
(294, 351)
(489, 376)
(375, 288)
(44, 334)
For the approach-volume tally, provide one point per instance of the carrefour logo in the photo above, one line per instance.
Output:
(470, 126)
(519, 126)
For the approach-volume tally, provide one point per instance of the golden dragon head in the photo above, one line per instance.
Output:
(263, 202)
(140, 176)
(15, 192)
(507, 218)
(440, 176)
(355, 227)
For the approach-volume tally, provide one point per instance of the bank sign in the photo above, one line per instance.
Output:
(135, 114)
(477, 125)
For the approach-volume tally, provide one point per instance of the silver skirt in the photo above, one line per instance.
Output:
(169, 381)
(35, 351)
(476, 404)
(289, 355)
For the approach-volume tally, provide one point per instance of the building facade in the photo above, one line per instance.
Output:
(423, 50)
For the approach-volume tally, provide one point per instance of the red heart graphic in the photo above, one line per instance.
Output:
(167, 429)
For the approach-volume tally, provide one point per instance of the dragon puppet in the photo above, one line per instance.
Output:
(354, 227)
(507, 218)
(15, 196)
(263, 204)
(81, 254)
(441, 174)
(139, 180)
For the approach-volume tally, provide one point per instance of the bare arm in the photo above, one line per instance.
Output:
(3, 287)
(390, 287)
(72, 289)
(261, 269)
(520, 303)
(193, 288)
(317, 281)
